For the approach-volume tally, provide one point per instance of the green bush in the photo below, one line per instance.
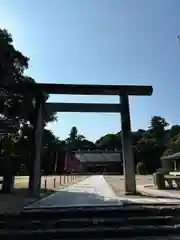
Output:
(22, 170)
(141, 168)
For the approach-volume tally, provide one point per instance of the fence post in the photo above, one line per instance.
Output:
(54, 183)
(45, 184)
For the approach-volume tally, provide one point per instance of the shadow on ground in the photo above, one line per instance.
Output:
(81, 199)
(78, 199)
(70, 198)
(18, 198)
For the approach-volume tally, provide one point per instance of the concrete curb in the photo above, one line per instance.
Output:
(143, 189)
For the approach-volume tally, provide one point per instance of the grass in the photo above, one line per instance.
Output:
(117, 183)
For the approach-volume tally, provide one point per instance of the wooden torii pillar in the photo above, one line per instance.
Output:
(39, 130)
(127, 152)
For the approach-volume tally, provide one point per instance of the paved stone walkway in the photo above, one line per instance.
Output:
(93, 191)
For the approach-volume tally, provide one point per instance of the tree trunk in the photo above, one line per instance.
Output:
(8, 178)
(32, 162)
(33, 154)
(31, 174)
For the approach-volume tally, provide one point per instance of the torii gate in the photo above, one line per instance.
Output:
(123, 91)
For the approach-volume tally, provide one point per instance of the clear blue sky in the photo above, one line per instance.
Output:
(102, 42)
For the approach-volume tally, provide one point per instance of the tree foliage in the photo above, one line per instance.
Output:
(15, 106)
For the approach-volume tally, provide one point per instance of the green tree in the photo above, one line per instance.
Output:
(109, 141)
(157, 127)
(17, 106)
(12, 62)
(173, 145)
(151, 146)
(75, 140)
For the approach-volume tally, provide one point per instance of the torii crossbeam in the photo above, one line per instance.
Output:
(123, 91)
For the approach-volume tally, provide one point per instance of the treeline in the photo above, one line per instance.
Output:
(148, 145)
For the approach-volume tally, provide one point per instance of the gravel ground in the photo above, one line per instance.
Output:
(16, 201)
(22, 182)
(117, 182)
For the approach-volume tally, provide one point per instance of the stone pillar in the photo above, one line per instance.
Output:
(127, 152)
(38, 145)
